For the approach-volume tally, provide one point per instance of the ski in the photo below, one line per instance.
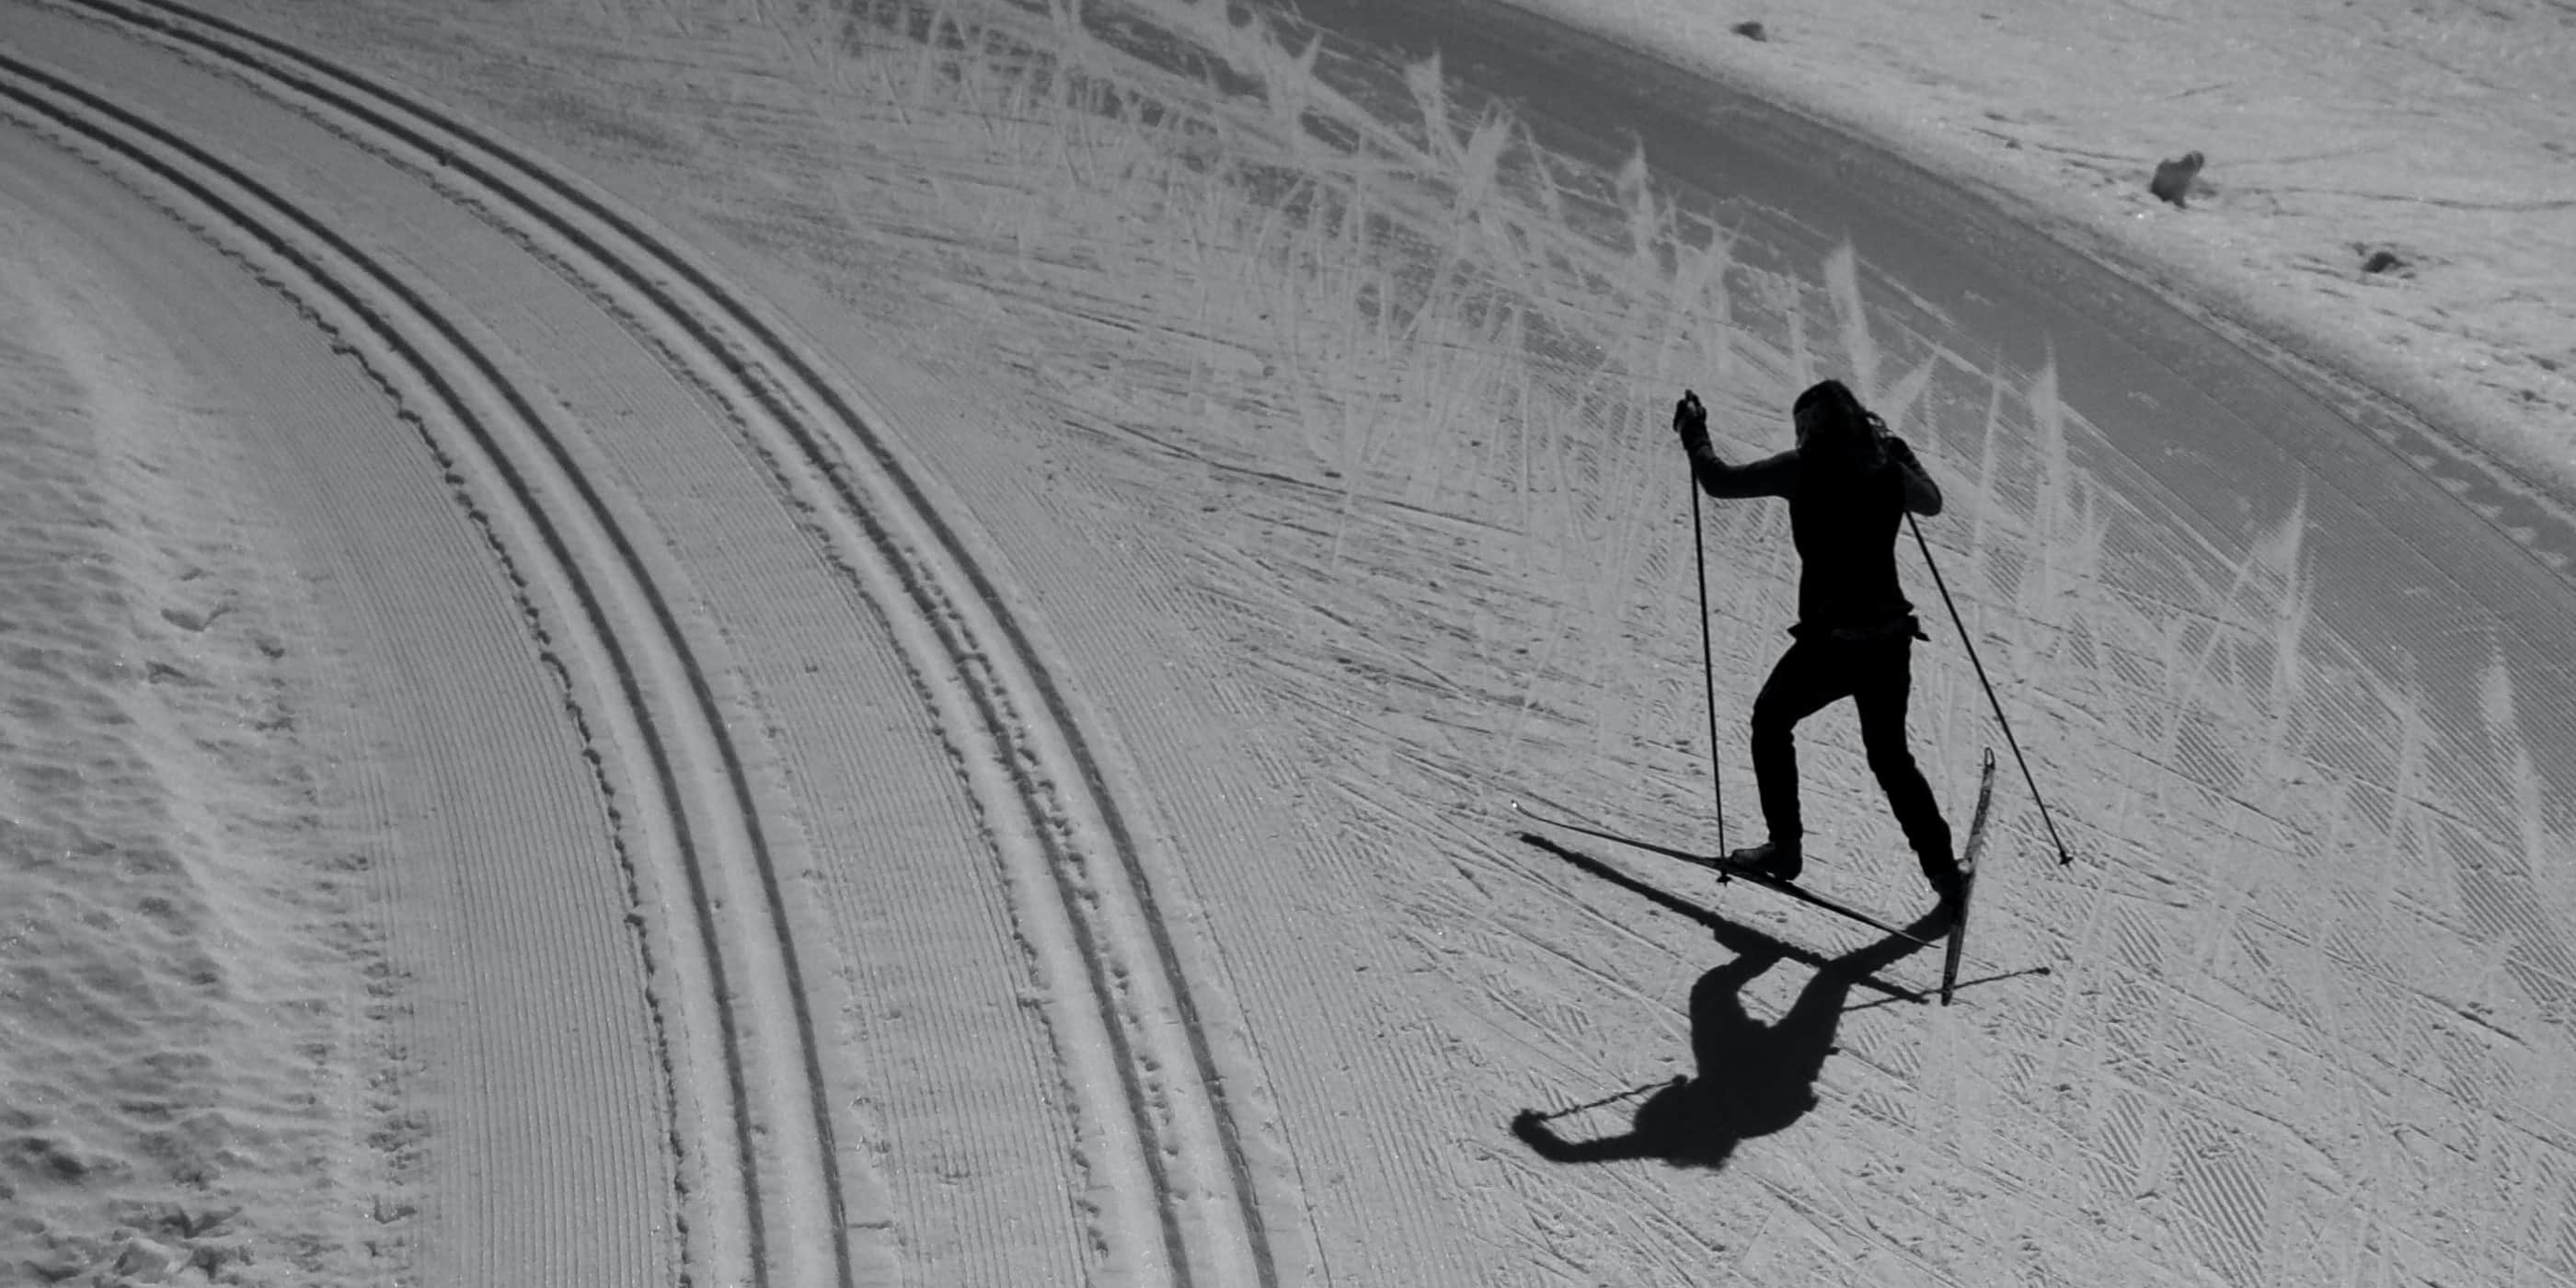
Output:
(1726, 870)
(1968, 878)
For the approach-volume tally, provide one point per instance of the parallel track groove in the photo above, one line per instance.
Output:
(84, 117)
(777, 375)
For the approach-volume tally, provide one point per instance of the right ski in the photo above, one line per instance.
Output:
(1968, 878)
(1725, 870)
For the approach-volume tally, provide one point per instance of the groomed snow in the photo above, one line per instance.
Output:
(2439, 132)
(749, 642)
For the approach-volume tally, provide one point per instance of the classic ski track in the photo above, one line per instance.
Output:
(420, 339)
(1054, 778)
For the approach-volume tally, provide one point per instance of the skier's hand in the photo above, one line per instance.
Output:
(1690, 421)
(1887, 451)
(1922, 495)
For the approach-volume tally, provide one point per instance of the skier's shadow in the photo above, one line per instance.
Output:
(1754, 1077)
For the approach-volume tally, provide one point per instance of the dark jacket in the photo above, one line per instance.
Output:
(1843, 516)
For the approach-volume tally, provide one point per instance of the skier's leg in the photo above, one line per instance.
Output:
(1803, 681)
(1884, 683)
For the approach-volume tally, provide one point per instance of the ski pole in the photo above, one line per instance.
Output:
(2063, 858)
(1707, 661)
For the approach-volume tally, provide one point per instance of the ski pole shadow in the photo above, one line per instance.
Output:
(1753, 1077)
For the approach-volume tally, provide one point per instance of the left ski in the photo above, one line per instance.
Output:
(1968, 861)
(1725, 869)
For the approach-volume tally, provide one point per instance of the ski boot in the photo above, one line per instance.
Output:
(1771, 859)
(1949, 886)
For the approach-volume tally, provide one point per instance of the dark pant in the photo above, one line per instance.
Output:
(1876, 675)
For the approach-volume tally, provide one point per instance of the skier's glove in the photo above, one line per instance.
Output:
(1690, 421)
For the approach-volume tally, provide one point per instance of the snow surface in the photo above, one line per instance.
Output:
(834, 650)
(189, 973)
(2439, 131)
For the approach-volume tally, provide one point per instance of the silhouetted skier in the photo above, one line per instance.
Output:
(1752, 1078)
(1849, 484)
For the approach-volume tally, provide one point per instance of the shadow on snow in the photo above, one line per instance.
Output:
(1754, 1077)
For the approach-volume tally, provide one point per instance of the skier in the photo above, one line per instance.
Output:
(1849, 483)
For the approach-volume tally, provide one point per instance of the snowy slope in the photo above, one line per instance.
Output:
(932, 621)
(189, 967)
(2330, 132)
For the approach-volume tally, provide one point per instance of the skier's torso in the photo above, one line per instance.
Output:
(1843, 514)
(1844, 523)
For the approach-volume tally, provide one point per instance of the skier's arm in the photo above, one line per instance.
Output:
(1922, 495)
(1771, 476)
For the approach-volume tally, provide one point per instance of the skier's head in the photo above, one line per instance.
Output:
(1832, 422)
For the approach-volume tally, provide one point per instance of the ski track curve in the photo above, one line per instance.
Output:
(417, 345)
(1069, 843)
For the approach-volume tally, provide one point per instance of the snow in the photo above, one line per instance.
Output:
(987, 763)
(185, 986)
(2437, 131)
